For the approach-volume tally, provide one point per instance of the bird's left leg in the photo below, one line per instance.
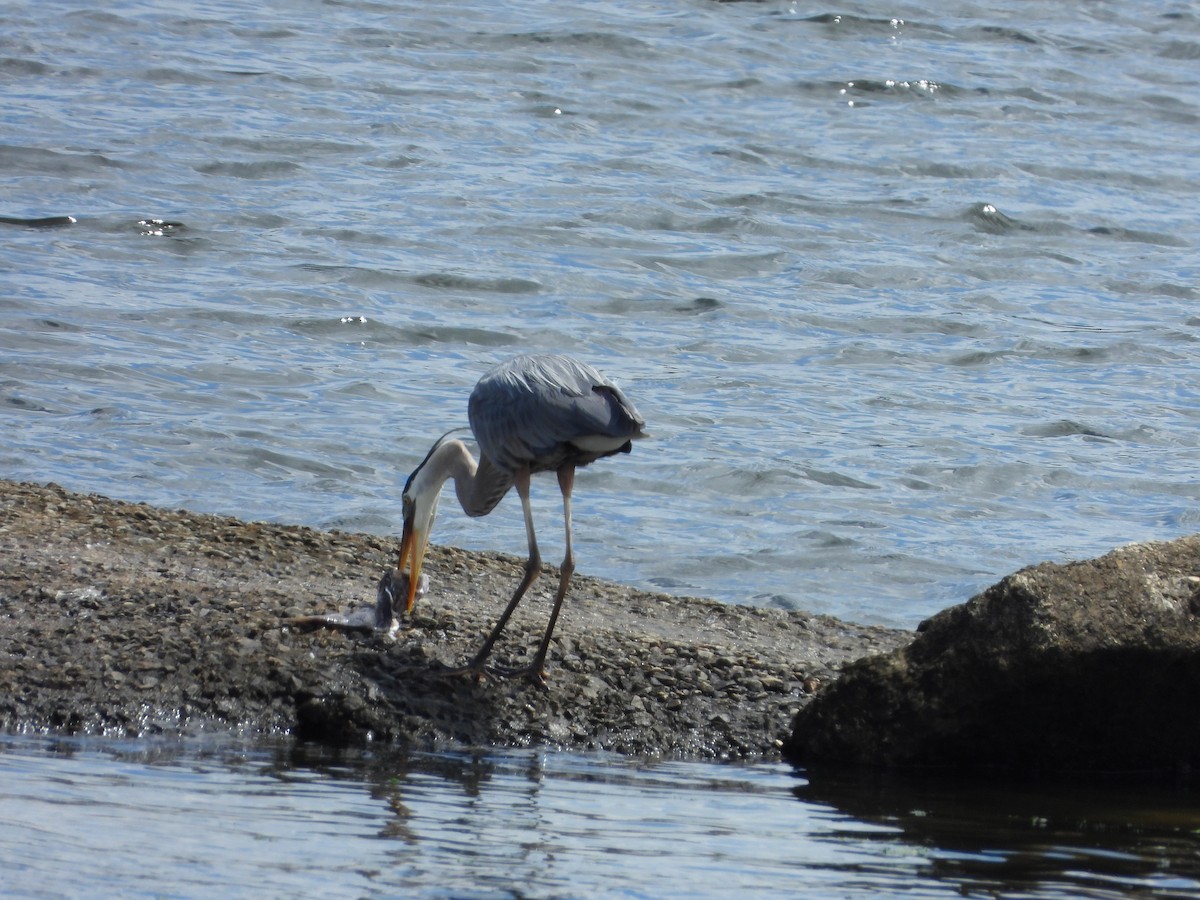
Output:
(536, 670)
(533, 565)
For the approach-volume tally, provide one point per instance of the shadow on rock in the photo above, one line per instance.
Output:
(1090, 668)
(400, 694)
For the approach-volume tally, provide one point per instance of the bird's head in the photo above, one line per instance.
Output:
(420, 500)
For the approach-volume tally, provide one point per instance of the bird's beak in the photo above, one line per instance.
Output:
(413, 544)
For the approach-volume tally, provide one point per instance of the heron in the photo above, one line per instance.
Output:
(537, 413)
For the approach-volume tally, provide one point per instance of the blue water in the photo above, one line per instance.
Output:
(907, 295)
(151, 819)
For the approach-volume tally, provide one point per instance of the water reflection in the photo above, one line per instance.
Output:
(283, 818)
(1000, 838)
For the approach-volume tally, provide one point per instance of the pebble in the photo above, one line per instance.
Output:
(156, 622)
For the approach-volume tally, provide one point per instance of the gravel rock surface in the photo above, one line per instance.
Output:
(125, 619)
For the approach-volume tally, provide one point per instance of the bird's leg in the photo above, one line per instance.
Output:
(566, 481)
(536, 670)
(533, 565)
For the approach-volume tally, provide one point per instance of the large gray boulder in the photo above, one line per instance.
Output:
(1091, 667)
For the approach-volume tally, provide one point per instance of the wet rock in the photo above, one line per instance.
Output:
(120, 618)
(1088, 668)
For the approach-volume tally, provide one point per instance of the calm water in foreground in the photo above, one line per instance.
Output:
(907, 295)
(85, 817)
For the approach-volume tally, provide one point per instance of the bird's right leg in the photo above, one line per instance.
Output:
(536, 670)
(533, 565)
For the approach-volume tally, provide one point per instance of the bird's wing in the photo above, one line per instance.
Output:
(524, 410)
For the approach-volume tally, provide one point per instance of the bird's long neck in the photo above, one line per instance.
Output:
(451, 459)
(478, 486)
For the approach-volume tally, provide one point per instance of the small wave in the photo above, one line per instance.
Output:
(451, 335)
(14, 160)
(1138, 236)
(1064, 428)
(16, 402)
(160, 227)
(988, 218)
(837, 479)
(39, 222)
(699, 305)
(20, 67)
(593, 41)
(856, 26)
(108, 413)
(251, 171)
(917, 87)
(861, 91)
(265, 460)
(722, 265)
(1185, 50)
(361, 329)
(452, 281)
(999, 33)
(58, 325)
(168, 75)
(980, 358)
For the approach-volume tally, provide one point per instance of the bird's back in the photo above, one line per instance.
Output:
(541, 411)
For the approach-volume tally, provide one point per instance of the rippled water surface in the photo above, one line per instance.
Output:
(906, 293)
(195, 820)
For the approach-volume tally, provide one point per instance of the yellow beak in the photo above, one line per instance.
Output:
(413, 545)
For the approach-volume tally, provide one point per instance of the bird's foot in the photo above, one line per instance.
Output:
(535, 672)
(476, 670)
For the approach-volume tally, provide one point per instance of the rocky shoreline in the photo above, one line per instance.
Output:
(125, 619)
(1082, 670)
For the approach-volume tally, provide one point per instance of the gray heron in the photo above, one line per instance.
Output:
(532, 414)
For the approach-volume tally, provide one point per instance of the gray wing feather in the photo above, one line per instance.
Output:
(529, 410)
